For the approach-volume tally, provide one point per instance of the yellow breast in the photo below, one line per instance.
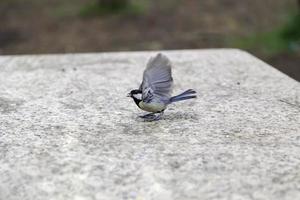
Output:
(152, 107)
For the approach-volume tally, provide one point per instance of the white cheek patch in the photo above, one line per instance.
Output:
(138, 96)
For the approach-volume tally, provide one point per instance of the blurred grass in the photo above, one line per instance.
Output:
(283, 39)
(59, 26)
(134, 7)
(291, 32)
(65, 9)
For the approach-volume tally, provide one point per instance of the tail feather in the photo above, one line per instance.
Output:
(189, 91)
(188, 94)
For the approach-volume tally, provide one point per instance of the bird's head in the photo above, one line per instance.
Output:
(133, 92)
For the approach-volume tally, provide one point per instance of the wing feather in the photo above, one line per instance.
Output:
(157, 80)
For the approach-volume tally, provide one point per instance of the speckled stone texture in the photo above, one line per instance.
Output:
(68, 131)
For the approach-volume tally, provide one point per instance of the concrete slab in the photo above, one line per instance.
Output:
(67, 131)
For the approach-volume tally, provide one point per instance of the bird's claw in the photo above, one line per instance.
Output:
(152, 116)
(149, 115)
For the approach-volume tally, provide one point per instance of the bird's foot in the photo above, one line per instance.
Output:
(152, 116)
(148, 116)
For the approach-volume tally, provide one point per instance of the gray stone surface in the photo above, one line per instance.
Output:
(67, 131)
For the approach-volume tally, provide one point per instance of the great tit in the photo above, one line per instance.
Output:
(156, 88)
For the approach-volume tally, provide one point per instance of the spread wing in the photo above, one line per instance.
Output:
(157, 80)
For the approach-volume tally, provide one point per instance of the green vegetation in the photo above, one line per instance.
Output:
(283, 39)
(114, 7)
(291, 32)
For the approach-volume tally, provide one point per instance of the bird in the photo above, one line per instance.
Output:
(154, 93)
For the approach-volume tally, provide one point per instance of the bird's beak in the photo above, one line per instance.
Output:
(128, 95)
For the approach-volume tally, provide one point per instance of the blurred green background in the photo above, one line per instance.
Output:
(270, 29)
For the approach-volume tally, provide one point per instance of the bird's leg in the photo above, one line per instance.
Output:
(148, 116)
(153, 116)
(158, 117)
